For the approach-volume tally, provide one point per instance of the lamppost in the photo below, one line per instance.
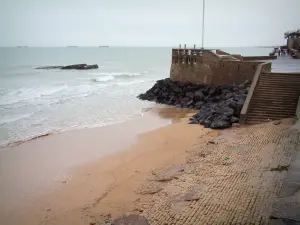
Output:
(203, 24)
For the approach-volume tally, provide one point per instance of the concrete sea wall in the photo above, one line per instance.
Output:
(209, 68)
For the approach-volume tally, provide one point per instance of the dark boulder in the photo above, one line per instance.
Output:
(185, 99)
(219, 105)
(193, 121)
(190, 103)
(199, 96)
(190, 95)
(177, 89)
(220, 124)
(198, 104)
(234, 120)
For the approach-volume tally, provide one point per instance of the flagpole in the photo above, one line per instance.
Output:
(203, 24)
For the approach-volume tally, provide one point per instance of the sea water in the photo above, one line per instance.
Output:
(35, 102)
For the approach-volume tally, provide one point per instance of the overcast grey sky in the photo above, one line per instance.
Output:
(146, 22)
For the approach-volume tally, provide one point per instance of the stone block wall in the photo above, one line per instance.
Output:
(193, 66)
(207, 67)
(234, 72)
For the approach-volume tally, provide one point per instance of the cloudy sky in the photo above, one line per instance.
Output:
(146, 22)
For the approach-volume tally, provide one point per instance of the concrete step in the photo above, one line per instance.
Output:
(287, 75)
(275, 97)
(268, 106)
(287, 98)
(273, 117)
(278, 93)
(271, 96)
(270, 115)
(272, 101)
(272, 107)
(273, 89)
(262, 81)
(280, 99)
(284, 79)
(272, 111)
(282, 85)
(281, 76)
(279, 82)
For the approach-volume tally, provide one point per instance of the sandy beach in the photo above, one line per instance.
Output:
(157, 166)
(149, 113)
(80, 165)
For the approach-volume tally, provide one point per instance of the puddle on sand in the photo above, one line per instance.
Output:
(176, 115)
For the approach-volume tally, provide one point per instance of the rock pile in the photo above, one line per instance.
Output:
(71, 67)
(79, 67)
(220, 105)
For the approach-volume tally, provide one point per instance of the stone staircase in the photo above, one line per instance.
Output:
(275, 97)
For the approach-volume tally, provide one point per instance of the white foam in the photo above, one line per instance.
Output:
(116, 74)
(103, 79)
(128, 83)
(11, 119)
(15, 96)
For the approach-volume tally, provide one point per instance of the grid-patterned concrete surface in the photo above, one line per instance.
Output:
(233, 179)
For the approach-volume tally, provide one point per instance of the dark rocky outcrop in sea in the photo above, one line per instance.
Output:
(49, 67)
(71, 67)
(220, 105)
(80, 67)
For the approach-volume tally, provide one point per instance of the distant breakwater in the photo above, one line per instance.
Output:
(220, 105)
(71, 67)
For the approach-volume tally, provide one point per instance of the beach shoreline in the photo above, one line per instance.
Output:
(43, 165)
(174, 172)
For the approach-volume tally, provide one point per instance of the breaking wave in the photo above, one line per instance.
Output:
(103, 79)
(58, 94)
(12, 119)
(120, 74)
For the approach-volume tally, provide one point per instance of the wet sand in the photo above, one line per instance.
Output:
(51, 179)
(168, 172)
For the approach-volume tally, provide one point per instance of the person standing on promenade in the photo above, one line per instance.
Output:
(279, 51)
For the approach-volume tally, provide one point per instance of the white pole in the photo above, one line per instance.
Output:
(203, 24)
